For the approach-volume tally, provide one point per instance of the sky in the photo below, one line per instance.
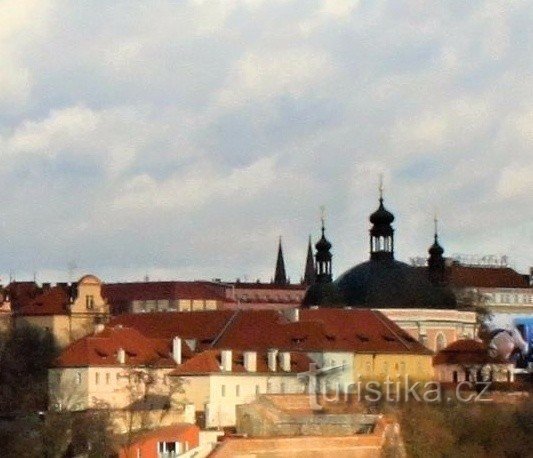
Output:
(179, 139)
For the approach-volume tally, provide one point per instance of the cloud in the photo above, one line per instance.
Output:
(181, 138)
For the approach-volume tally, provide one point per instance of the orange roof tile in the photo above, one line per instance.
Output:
(209, 361)
(465, 351)
(487, 277)
(54, 301)
(102, 349)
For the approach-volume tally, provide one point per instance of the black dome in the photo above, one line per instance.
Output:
(436, 249)
(323, 244)
(381, 216)
(391, 284)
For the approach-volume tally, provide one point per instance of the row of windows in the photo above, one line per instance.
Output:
(271, 297)
(269, 389)
(172, 306)
(504, 298)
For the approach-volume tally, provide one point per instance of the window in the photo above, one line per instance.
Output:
(440, 341)
(89, 302)
(223, 390)
(107, 378)
(237, 390)
(257, 390)
(386, 367)
(78, 378)
(97, 378)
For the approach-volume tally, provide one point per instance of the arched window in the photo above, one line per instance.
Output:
(440, 341)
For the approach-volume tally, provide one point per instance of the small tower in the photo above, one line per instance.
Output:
(280, 277)
(381, 233)
(310, 271)
(436, 262)
(323, 258)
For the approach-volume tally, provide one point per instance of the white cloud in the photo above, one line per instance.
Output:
(185, 136)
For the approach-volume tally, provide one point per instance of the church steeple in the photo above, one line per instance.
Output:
(310, 272)
(280, 277)
(323, 257)
(436, 262)
(381, 233)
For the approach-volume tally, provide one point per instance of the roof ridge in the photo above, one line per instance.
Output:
(226, 326)
(391, 330)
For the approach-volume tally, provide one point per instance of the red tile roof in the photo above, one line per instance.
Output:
(22, 293)
(101, 349)
(54, 301)
(269, 286)
(357, 330)
(485, 277)
(466, 351)
(209, 361)
(163, 290)
(204, 326)
(327, 329)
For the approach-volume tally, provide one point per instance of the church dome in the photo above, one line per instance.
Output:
(390, 284)
(381, 217)
(323, 244)
(436, 249)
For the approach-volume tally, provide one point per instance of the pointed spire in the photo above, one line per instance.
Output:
(280, 277)
(310, 272)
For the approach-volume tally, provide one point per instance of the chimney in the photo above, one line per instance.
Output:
(176, 350)
(293, 315)
(121, 356)
(272, 359)
(250, 361)
(285, 361)
(226, 360)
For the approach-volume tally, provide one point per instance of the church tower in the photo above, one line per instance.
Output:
(381, 233)
(436, 262)
(323, 258)
(280, 277)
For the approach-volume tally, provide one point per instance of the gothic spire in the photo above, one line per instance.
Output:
(280, 277)
(310, 272)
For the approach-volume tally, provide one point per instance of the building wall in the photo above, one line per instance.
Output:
(58, 325)
(380, 367)
(427, 325)
(217, 395)
(68, 388)
(454, 372)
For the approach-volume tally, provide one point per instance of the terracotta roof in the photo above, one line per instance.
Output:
(163, 290)
(357, 330)
(485, 277)
(269, 286)
(204, 326)
(101, 349)
(209, 361)
(54, 301)
(176, 432)
(466, 351)
(22, 293)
